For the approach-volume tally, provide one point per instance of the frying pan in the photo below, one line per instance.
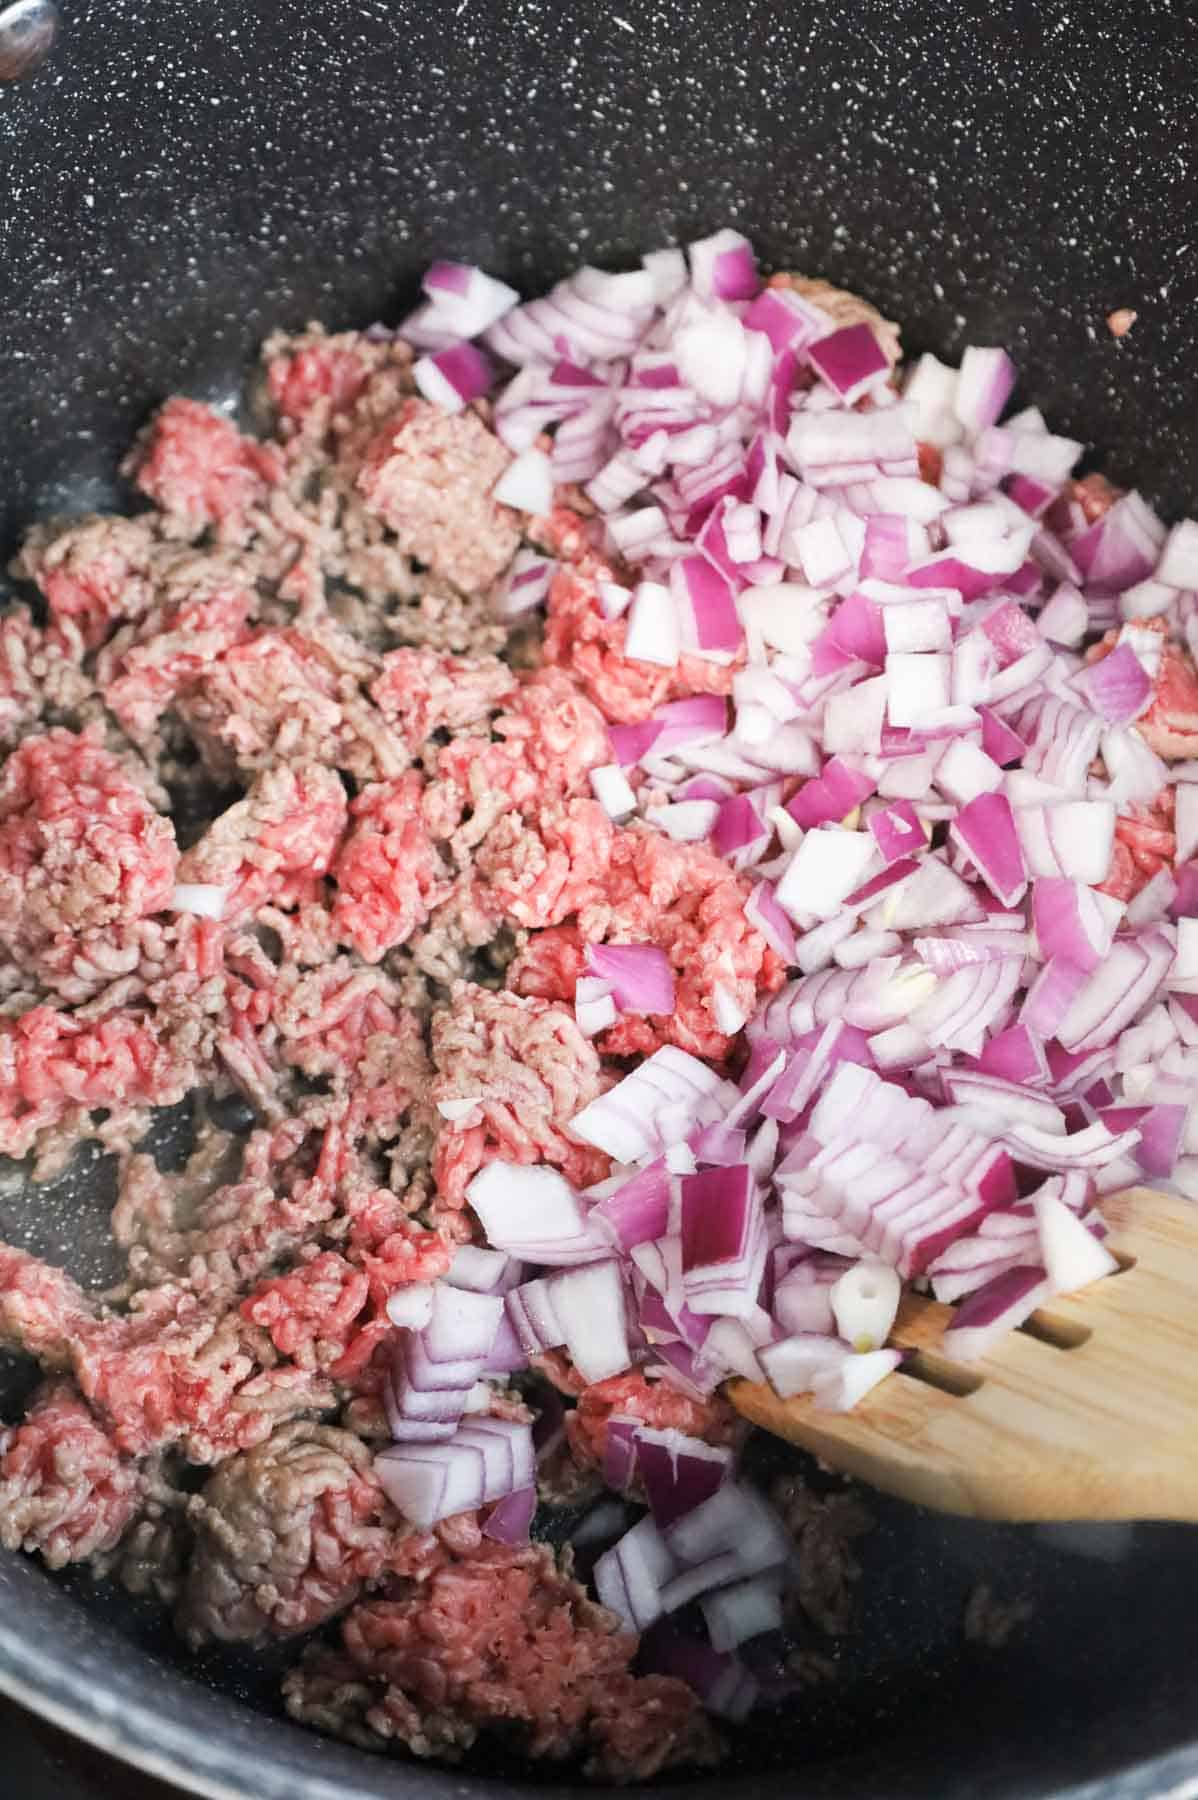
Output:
(179, 178)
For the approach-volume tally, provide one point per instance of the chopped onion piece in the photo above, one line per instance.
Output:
(839, 1389)
(630, 1576)
(412, 1305)
(792, 1366)
(590, 1302)
(678, 1472)
(865, 1302)
(998, 1307)
(744, 1610)
(451, 378)
(611, 788)
(826, 868)
(653, 626)
(639, 975)
(985, 830)
(201, 898)
(918, 687)
(1071, 1255)
(659, 1103)
(527, 483)
(465, 299)
(519, 1205)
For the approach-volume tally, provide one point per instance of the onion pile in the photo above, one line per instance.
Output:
(922, 775)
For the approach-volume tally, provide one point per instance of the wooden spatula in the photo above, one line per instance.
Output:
(1090, 1411)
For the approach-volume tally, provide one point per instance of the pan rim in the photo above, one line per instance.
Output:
(204, 1764)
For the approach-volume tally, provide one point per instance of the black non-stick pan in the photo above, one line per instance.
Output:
(181, 175)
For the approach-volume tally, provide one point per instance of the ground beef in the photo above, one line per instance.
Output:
(991, 1622)
(41, 1309)
(392, 788)
(825, 1529)
(311, 1314)
(327, 394)
(1144, 845)
(81, 847)
(423, 692)
(178, 1371)
(286, 1534)
(151, 1557)
(66, 1489)
(96, 572)
(25, 661)
(290, 696)
(530, 1070)
(55, 1070)
(505, 1639)
(428, 476)
(538, 872)
(326, 1017)
(276, 844)
(656, 1403)
(199, 469)
(142, 671)
(314, 378)
(683, 898)
(544, 746)
(389, 873)
(393, 1248)
(590, 647)
(219, 1242)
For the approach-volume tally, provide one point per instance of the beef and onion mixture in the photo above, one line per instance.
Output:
(639, 824)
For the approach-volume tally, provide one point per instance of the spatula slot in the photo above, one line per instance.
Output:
(934, 1371)
(1062, 1334)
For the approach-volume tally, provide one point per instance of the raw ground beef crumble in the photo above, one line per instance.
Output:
(397, 814)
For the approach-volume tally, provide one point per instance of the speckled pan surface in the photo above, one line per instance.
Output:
(180, 177)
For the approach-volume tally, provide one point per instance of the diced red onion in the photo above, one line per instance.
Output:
(1128, 977)
(743, 1611)
(850, 360)
(484, 1462)
(723, 267)
(640, 976)
(611, 788)
(983, 387)
(1120, 548)
(1000, 1306)
(1072, 839)
(525, 585)
(1016, 1054)
(1071, 1255)
(985, 830)
(527, 483)
(630, 1576)
(464, 299)
(653, 626)
(1118, 686)
(202, 898)
(413, 1305)
(1074, 921)
(509, 1519)
(451, 378)
(678, 1472)
(826, 868)
(706, 606)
